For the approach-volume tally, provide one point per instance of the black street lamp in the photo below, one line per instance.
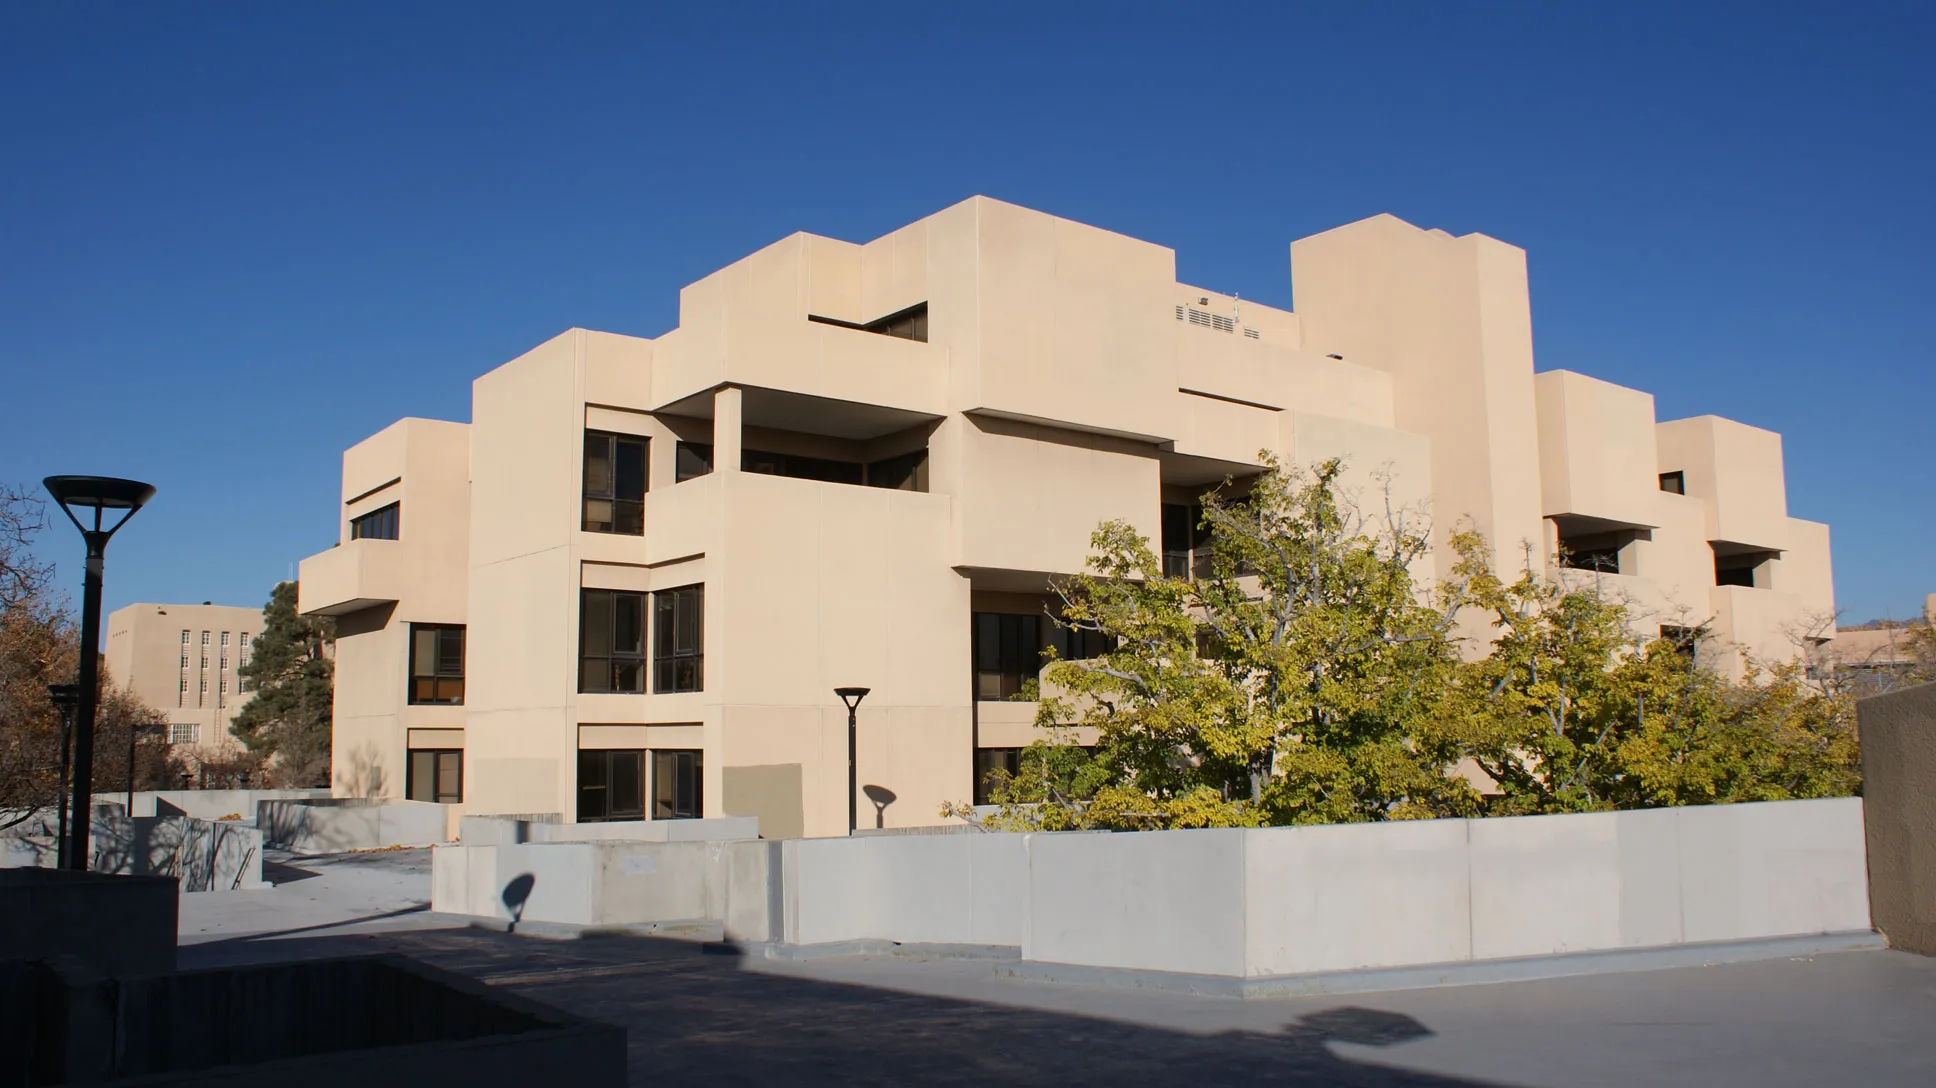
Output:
(63, 696)
(852, 697)
(96, 494)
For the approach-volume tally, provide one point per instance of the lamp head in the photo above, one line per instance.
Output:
(852, 696)
(98, 493)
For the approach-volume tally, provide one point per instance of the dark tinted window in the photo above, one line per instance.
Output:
(1008, 653)
(611, 641)
(436, 663)
(907, 472)
(676, 779)
(615, 466)
(691, 459)
(436, 774)
(377, 524)
(611, 784)
(1674, 482)
(678, 639)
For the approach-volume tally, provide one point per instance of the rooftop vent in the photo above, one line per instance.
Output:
(1207, 319)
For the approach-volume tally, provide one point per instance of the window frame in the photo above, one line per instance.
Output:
(614, 658)
(683, 798)
(672, 645)
(1678, 478)
(625, 514)
(437, 760)
(1009, 628)
(383, 523)
(439, 676)
(603, 760)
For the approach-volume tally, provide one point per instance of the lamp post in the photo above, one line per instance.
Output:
(96, 494)
(63, 696)
(852, 697)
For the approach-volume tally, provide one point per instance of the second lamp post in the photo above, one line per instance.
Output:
(852, 697)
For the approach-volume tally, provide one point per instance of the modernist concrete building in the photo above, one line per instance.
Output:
(185, 660)
(629, 586)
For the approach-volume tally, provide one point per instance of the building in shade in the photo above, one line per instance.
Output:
(185, 661)
(628, 587)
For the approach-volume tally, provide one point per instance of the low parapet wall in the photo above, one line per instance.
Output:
(1305, 900)
(336, 825)
(1239, 904)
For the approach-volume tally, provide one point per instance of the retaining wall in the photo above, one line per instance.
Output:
(334, 825)
(930, 889)
(114, 924)
(1899, 792)
(1285, 901)
(204, 855)
(611, 882)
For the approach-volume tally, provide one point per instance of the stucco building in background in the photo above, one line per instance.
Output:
(628, 587)
(185, 661)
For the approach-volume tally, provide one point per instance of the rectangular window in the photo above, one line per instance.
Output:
(1186, 541)
(678, 639)
(611, 785)
(1598, 552)
(184, 685)
(987, 762)
(204, 690)
(437, 775)
(1077, 645)
(1674, 483)
(184, 659)
(800, 467)
(204, 638)
(184, 638)
(1008, 653)
(223, 687)
(184, 733)
(615, 467)
(377, 524)
(436, 664)
(611, 640)
(906, 472)
(676, 784)
(225, 639)
(690, 459)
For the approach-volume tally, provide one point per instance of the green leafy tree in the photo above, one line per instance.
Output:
(1290, 683)
(291, 673)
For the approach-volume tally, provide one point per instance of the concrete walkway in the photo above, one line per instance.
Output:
(1852, 1017)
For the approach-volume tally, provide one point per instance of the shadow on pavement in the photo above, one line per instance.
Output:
(693, 1018)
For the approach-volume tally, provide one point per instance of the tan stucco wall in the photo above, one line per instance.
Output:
(1067, 378)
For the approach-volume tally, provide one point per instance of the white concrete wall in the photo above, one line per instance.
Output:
(609, 882)
(508, 831)
(335, 825)
(1309, 899)
(924, 889)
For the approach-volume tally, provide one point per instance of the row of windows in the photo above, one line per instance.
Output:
(612, 784)
(382, 524)
(1008, 650)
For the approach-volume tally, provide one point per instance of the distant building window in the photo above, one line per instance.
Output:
(611, 641)
(437, 775)
(905, 472)
(1674, 483)
(615, 472)
(225, 638)
(184, 659)
(184, 638)
(1008, 653)
(204, 638)
(987, 762)
(611, 784)
(184, 685)
(436, 664)
(678, 639)
(204, 690)
(690, 459)
(223, 686)
(204, 661)
(184, 733)
(377, 524)
(676, 779)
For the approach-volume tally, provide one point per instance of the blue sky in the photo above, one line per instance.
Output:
(235, 238)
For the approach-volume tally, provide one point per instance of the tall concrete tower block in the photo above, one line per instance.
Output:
(1450, 319)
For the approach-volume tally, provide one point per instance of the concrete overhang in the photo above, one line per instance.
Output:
(780, 410)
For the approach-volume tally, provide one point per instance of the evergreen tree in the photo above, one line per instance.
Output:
(291, 672)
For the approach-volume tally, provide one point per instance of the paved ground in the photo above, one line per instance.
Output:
(1858, 1017)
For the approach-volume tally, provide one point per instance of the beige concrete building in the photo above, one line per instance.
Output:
(629, 586)
(185, 660)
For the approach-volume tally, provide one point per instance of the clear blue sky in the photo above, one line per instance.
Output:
(236, 238)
